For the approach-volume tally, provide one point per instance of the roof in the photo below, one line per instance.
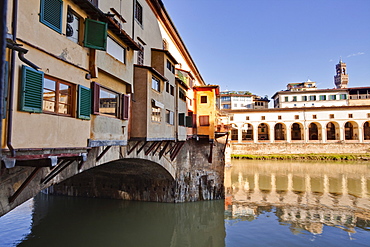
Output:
(309, 91)
(153, 70)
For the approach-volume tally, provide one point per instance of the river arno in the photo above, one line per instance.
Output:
(268, 203)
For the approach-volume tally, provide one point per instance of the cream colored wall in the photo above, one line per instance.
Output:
(48, 39)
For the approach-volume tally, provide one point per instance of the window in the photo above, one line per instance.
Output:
(170, 66)
(203, 99)
(304, 98)
(182, 119)
(313, 97)
(225, 98)
(204, 120)
(167, 87)
(314, 116)
(51, 14)
(331, 116)
(322, 97)
(138, 13)
(247, 118)
(343, 96)
(156, 114)
(116, 50)
(279, 117)
(231, 118)
(182, 94)
(333, 97)
(54, 96)
(350, 115)
(156, 83)
(286, 99)
(140, 55)
(172, 90)
(110, 103)
(169, 117)
(73, 26)
(368, 115)
(57, 96)
(294, 98)
(296, 117)
(263, 118)
(226, 106)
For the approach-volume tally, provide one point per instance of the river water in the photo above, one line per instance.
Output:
(268, 203)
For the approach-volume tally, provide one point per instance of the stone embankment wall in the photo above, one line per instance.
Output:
(299, 148)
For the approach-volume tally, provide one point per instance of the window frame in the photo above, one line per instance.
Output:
(57, 97)
(204, 120)
(117, 44)
(203, 99)
(157, 85)
(138, 13)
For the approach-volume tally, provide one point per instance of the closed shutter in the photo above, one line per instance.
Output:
(51, 14)
(204, 120)
(84, 103)
(96, 97)
(189, 121)
(95, 34)
(31, 92)
(125, 99)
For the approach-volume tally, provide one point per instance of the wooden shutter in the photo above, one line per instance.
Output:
(84, 103)
(31, 92)
(95, 34)
(189, 121)
(125, 106)
(51, 14)
(95, 97)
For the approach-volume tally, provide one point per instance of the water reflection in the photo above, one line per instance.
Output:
(307, 196)
(65, 221)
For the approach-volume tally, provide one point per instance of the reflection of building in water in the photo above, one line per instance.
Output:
(306, 195)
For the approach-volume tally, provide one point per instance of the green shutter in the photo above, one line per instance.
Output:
(189, 121)
(84, 102)
(95, 34)
(51, 14)
(5, 89)
(31, 91)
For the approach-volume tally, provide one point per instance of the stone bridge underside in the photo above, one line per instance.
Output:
(163, 171)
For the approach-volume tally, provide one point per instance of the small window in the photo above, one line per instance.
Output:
(279, 117)
(108, 102)
(304, 98)
(350, 115)
(156, 83)
(296, 116)
(322, 97)
(172, 90)
(182, 119)
(247, 118)
(139, 13)
(51, 14)
(313, 97)
(182, 94)
(57, 96)
(204, 120)
(333, 97)
(331, 116)
(286, 98)
(294, 98)
(314, 116)
(231, 118)
(140, 55)
(203, 99)
(263, 118)
(169, 117)
(343, 96)
(167, 87)
(170, 66)
(116, 50)
(156, 114)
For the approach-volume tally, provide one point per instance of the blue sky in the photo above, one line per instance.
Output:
(262, 45)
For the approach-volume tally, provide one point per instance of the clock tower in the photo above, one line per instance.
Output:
(341, 78)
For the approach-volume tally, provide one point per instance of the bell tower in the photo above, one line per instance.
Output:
(341, 78)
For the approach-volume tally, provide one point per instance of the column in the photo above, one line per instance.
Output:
(360, 134)
(323, 134)
(341, 134)
(272, 133)
(240, 135)
(288, 134)
(255, 133)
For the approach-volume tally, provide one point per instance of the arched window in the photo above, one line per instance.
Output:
(296, 132)
(279, 132)
(313, 132)
(367, 131)
(330, 131)
(263, 132)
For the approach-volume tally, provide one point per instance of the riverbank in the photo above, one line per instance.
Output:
(336, 157)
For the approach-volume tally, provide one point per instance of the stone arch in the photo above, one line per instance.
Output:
(366, 131)
(129, 179)
(280, 131)
(297, 131)
(332, 131)
(351, 130)
(247, 132)
(263, 131)
(314, 131)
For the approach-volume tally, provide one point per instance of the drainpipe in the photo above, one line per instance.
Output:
(3, 9)
(11, 82)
